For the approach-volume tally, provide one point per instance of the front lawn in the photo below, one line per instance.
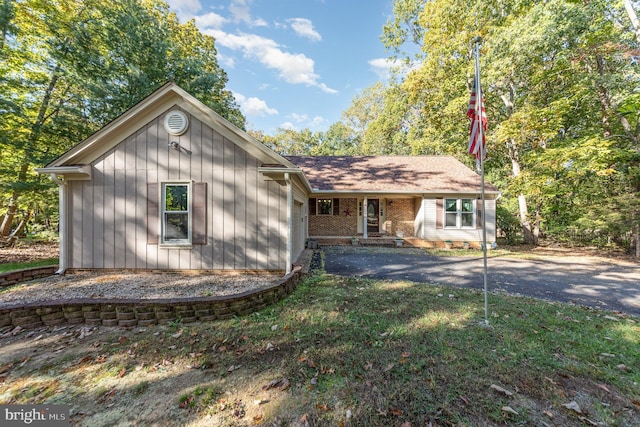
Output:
(343, 352)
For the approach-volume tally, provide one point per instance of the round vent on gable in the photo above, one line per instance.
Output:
(176, 122)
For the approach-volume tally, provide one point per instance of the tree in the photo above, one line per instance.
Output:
(548, 69)
(68, 67)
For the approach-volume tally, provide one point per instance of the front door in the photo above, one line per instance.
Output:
(373, 216)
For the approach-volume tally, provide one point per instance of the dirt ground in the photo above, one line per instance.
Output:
(26, 252)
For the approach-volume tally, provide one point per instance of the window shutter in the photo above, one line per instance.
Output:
(312, 206)
(336, 207)
(199, 214)
(153, 214)
(439, 213)
(479, 213)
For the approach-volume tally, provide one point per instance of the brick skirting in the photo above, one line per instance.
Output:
(140, 312)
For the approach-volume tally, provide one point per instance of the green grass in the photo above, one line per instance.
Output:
(359, 352)
(12, 266)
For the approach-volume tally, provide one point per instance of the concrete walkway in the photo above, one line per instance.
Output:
(578, 280)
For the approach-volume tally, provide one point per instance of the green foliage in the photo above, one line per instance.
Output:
(67, 68)
(559, 82)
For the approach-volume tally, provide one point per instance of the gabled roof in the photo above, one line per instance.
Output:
(389, 174)
(148, 109)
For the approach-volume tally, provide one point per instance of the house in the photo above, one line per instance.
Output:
(433, 198)
(171, 185)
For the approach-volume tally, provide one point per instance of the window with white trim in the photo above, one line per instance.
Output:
(459, 213)
(176, 213)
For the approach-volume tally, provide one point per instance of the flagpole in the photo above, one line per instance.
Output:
(478, 106)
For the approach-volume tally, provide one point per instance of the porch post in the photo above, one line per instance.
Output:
(62, 223)
(364, 218)
(290, 237)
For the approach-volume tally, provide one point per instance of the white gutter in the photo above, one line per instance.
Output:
(289, 256)
(62, 223)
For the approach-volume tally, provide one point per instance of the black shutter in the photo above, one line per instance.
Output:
(153, 214)
(312, 207)
(199, 214)
(336, 207)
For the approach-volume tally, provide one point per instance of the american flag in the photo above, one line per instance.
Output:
(478, 116)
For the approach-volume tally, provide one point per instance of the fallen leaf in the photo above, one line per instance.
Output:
(405, 424)
(636, 402)
(233, 368)
(510, 410)
(257, 419)
(311, 364)
(177, 334)
(85, 359)
(5, 368)
(501, 390)
(573, 405)
(323, 407)
(548, 414)
(122, 373)
(603, 387)
(623, 367)
(464, 399)
(395, 411)
(389, 367)
(281, 384)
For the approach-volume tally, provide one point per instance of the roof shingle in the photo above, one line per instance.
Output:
(433, 174)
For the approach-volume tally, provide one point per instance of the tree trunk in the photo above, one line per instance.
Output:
(5, 229)
(525, 223)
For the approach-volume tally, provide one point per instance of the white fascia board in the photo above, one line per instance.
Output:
(69, 172)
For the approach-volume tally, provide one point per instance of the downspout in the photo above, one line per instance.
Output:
(62, 223)
(289, 261)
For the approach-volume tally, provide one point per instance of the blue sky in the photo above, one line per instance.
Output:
(294, 63)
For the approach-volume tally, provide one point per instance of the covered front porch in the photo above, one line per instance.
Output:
(369, 219)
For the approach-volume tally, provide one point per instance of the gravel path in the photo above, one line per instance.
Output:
(132, 286)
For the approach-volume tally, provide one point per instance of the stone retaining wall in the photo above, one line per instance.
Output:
(128, 313)
(13, 277)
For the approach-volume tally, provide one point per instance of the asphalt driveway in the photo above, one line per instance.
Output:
(581, 281)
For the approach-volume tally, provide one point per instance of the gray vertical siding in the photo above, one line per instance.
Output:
(246, 215)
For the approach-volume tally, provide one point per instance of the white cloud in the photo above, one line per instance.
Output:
(227, 62)
(304, 28)
(241, 13)
(288, 126)
(253, 106)
(294, 68)
(318, 121)
(304, 121)
(240, 10)
(210, 20)
(384, 67)
(299, 118)
(185, 9)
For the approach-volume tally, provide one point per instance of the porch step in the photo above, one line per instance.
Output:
(377, 242)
